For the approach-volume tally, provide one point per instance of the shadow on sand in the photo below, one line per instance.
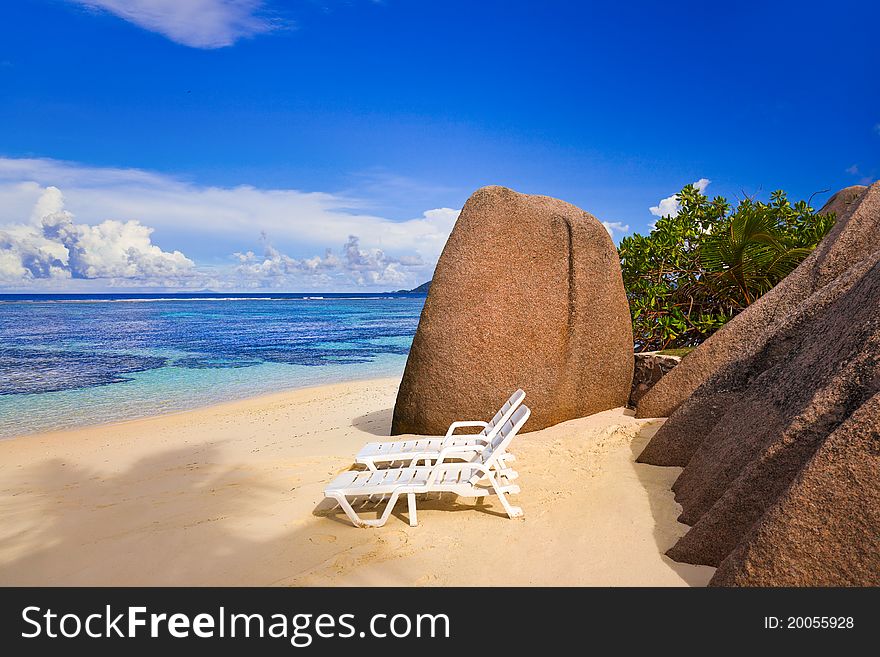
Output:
(377, 423)
(657, 481)
(183, 517)
(179, 518)
(164, 520)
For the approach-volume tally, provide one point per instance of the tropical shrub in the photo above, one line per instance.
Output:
(698, 269)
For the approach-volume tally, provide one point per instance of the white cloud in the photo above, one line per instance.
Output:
(53, 246)
(669, 206)
(308, 221)
(853, 170)
(877, 128)
(210, 223)
(364, 267)
(194, 23)
(615, 227)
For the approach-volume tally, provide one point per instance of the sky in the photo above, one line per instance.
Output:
(328, 145)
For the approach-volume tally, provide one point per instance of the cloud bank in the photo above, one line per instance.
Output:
(365, 267)
(56, 247)
(195, 23)
(670, 207)
(319, 241)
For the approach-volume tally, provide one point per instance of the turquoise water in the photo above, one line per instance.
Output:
(104, 359)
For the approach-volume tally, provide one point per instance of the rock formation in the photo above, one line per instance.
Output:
(781, 446)
(852, 238)
(823, 531)
(649, 368)
(527, 294)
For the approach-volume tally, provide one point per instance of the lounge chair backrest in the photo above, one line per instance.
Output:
(502, 438)
(503, 415)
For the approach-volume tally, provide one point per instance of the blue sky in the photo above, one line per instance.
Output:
(313, 145)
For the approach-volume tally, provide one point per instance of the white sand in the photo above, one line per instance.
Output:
(227, 495)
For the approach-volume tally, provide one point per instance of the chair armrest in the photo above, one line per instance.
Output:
(466, 423)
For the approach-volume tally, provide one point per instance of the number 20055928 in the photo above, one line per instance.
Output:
(808, 622)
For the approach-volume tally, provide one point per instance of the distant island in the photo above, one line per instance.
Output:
(421, 289)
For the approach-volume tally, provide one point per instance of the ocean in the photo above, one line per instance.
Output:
(74, 360)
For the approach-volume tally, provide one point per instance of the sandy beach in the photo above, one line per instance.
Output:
(232, 495)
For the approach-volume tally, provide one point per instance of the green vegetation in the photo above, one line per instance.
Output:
(698, 269)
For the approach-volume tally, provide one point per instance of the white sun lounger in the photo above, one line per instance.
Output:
(478, 477)
(425, 450)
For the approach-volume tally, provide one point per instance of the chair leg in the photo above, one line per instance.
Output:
(411, 504)
(389, 507)
(512, 511)
(343, 502)
(356, 520)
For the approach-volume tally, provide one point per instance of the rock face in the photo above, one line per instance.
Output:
(527, 294)
(781, 446)
(852, 238)
(650, 367)
(820, 533)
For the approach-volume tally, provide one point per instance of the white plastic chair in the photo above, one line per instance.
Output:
(477, 477)
(427, 449)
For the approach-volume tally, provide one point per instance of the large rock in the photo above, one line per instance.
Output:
(853, 237)
(781, 446)
(527, 294)
(820, 532)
